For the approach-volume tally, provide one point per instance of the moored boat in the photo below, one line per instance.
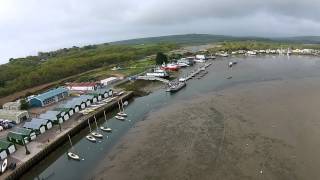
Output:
(120, 118)
(175, 87)
(73, 156)
(91, 138)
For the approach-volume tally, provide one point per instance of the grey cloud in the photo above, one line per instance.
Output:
(27, 27)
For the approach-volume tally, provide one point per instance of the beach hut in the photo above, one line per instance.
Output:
(37, 126)
(47, 123)
(6, 148)
(55, 116)
(21, 136)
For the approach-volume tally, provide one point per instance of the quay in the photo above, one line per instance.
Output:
(77, 124)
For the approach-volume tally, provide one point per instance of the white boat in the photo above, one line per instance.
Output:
(106, 129)
(199, 60)
(120, 118)
(182, 64)
(122, 114)
(73, 156)
(97, 135)
(91, 138)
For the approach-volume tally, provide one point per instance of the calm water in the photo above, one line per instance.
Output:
(249, 69)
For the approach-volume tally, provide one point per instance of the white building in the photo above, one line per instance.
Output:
(109, 80)
(84, 86)
(12, 105)
(13, 115)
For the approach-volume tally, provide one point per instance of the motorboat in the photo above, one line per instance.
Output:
(91, 138)
(120, 118)
(73, 156)
(170, 67)
(176, 86)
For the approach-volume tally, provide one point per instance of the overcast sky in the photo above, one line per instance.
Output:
(29, 26)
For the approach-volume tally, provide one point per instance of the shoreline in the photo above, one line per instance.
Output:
(236, 136)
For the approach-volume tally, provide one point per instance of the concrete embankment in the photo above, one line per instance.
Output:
(61, 139)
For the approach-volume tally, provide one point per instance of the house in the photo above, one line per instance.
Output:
(21, 136)
(109, 80)
(36, 126)
(48, 97)
(84, 86)
(57, 117)
(12, 106)
(6, 148)
(14, 115)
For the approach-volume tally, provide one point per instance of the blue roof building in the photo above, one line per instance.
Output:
(48, 97)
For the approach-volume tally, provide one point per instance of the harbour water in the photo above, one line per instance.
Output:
(248, 70)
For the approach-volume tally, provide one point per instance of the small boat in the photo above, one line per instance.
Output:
(70, 154)
(122, 114)
(91, 138)
(73, 156)
(230, 77)
(106, 129)
(97, 135)
(120, 118)
(175, 87)
(182, 79)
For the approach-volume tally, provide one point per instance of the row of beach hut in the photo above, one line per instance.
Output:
(47, 120)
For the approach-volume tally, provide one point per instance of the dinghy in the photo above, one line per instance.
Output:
(122, 114)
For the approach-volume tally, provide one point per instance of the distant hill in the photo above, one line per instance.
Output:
(208, 38)
(300, 39)
(188, 39)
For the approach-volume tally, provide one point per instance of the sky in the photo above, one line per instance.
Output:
(30, 26)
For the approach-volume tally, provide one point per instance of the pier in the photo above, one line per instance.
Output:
(194, 73)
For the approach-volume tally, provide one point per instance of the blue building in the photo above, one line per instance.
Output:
(49, 97)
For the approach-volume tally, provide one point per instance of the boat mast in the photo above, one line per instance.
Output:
(70, 142)
(95, 120)
(89, 125)
(105, 118)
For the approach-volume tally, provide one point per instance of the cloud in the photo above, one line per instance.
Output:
(27, 27)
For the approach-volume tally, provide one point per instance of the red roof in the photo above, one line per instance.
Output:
(82, 84)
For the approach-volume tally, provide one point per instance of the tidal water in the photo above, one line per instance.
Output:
(248, 70)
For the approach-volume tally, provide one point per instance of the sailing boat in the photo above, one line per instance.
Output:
(89, 137)
(121, 111)
(96, 134)
(72, 155)
(105, 128)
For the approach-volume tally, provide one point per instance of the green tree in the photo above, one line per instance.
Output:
(161, 58)
(24, 104)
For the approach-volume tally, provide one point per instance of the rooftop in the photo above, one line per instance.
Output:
(82, 84)
(50, 93)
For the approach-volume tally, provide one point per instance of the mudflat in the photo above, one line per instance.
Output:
(263, 130)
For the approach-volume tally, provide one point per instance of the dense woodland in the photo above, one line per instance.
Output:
(22, 73)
